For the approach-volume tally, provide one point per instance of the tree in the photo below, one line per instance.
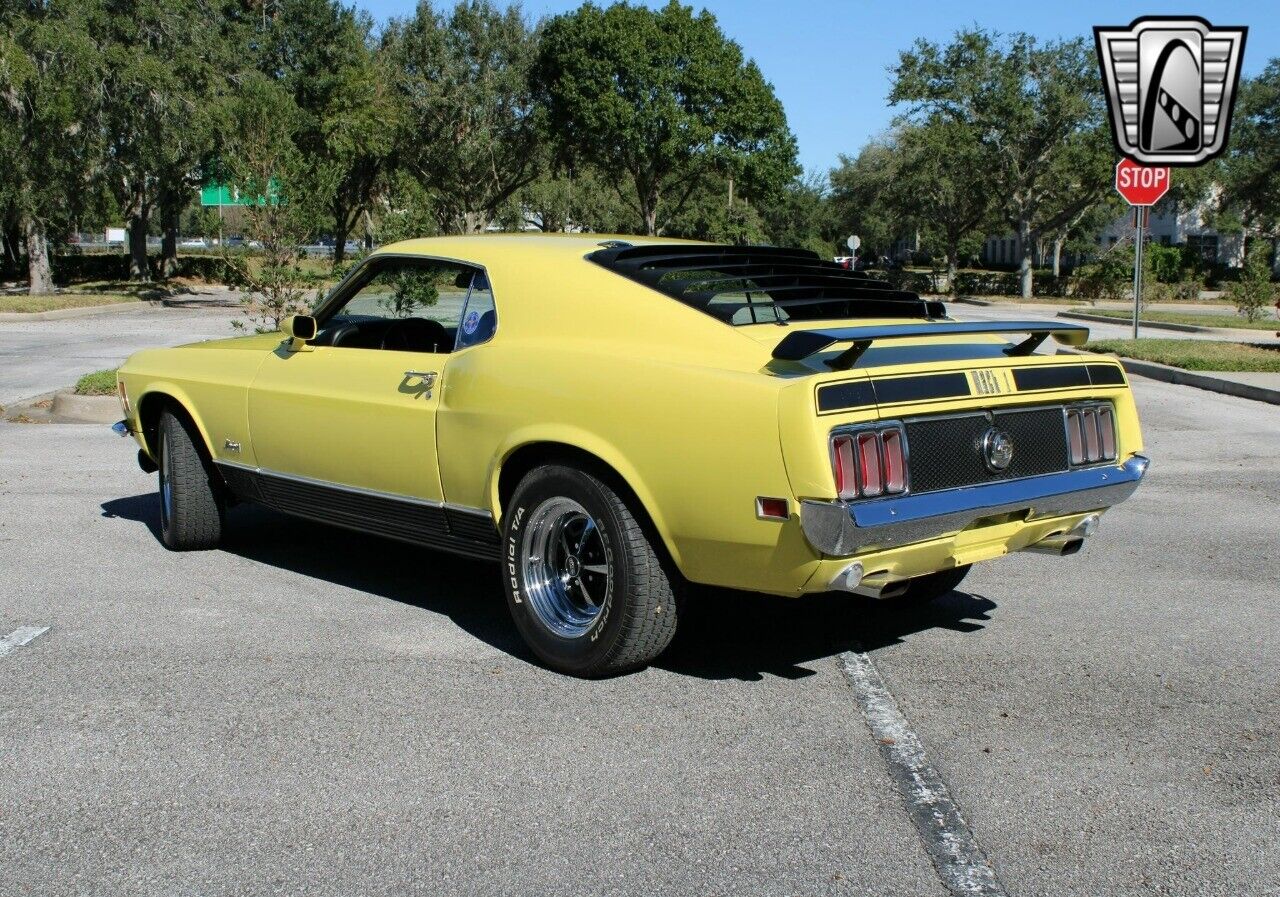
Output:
(1254, 292)
(322, 53)
(1038, 111)
(861, 196)
(263, 159)
(665, 99)
(50, 135)
(802, 215)
(1251, 173)
(941, 183)
(158, 87)
(469, 133)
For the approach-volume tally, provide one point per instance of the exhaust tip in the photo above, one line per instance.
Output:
(1072, 545)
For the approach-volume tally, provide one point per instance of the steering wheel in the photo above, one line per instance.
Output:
(414, 335)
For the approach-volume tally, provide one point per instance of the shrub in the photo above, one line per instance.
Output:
(1254, 291)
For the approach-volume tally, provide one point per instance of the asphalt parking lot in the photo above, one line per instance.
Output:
(314, 712)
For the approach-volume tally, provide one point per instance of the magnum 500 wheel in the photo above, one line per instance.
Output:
(587, 589)
(191, 505)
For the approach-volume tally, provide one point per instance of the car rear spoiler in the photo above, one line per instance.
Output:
(800, 344)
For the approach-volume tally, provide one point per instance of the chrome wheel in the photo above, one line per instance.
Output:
(166, 489)
(565, 567)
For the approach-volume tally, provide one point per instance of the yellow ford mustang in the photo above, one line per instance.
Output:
(609, 418)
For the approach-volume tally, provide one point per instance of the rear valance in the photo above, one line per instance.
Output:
(800, 344)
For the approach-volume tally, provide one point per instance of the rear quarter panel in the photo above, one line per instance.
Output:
(665, 395)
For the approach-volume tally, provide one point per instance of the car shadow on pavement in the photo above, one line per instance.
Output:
(727, 634)
(466, 591)
(724, 634)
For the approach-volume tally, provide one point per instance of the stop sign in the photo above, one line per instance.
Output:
(1141, 185)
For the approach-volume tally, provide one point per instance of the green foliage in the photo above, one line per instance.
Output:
(1033, 113)
(52, 142)
(263, 157)
(861, 196)
(1165, 262)
(664, 99)
(411, 289)
(99, 383)
(1110, 277)
(1251, 169)
(1194, 354)
(469, 133)
(1254, 292)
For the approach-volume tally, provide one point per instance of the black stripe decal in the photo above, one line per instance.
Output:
(1051, 377)
(851, 394)
(1106, 375)
(890, 391)
(420, 523)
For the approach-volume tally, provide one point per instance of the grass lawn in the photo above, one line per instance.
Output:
(1194, 355)
(62, 300)
(1182, 317)
(99, 383)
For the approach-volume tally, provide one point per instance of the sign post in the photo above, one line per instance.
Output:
(1142, 186)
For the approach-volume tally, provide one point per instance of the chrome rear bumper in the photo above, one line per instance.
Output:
(842, 529)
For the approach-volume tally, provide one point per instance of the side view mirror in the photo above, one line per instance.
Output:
(299, 329)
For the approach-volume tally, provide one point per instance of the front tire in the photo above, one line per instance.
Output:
(192, 509)
(586, 586)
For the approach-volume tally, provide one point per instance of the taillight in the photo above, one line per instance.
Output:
(870, 481)
(1091, 434)
(895, 461)
(869, 462)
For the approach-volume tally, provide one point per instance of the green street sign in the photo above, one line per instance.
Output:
(226, 195)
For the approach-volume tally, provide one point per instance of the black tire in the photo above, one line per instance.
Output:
(633, 617)
(923, 589)
(192, 509)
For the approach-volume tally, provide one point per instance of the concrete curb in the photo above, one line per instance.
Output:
(1167, 374)
(1155, 325)
(969, 300)
(69, 408)
(56, 314)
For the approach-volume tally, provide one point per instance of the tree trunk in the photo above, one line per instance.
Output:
(170, 212)
(1024, 250)
(136, 222)
(340, 232)
(1057, 257)
(12, 240)
(953, 268)
(40, 276)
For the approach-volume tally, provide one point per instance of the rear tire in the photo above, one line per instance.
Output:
(192, 509)
(931, 586)
(586, 586)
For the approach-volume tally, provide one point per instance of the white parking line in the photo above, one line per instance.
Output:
(960, 862)
(23, 635)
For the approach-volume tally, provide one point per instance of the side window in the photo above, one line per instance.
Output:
(404, 305)
(479, 315)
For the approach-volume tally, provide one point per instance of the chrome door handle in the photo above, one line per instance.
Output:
(428, 379)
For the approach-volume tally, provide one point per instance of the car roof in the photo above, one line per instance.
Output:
(510, 247)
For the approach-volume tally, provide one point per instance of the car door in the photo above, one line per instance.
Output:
(355, 410)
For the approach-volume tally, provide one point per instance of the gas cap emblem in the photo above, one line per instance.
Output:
(997, 450)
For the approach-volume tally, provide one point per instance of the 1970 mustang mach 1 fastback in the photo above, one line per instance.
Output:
(609, 418)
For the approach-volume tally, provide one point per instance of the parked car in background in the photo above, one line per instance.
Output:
(609, 419)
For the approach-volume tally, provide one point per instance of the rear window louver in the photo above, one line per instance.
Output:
(761, 284)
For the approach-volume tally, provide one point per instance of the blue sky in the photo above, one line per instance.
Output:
(828, 60)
